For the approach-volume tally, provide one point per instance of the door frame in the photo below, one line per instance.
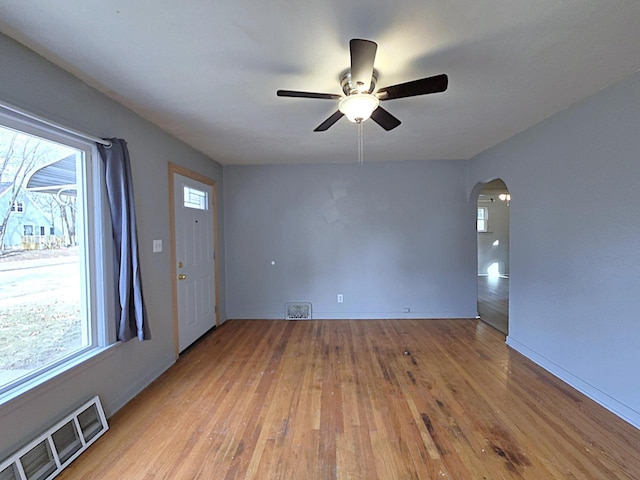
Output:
(178, 169)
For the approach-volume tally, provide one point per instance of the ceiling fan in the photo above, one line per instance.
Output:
(359, 101)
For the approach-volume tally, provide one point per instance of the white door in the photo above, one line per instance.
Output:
(195, 267)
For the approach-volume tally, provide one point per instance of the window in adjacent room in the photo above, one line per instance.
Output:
(52, 294)
(483, 219)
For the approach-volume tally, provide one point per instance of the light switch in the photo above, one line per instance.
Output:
(157, 246)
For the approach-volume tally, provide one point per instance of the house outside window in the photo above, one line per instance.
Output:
(57, 317)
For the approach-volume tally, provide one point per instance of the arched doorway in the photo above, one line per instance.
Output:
(492, 225)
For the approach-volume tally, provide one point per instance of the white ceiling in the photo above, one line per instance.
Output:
(207, 71)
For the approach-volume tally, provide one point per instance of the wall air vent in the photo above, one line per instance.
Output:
(46, 456)
(298, 311)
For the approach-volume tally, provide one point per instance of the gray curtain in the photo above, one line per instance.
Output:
(130, 309)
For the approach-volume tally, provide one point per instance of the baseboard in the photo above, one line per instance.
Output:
(362, 316)
(121, 400)
(391, 316)
(621, 410)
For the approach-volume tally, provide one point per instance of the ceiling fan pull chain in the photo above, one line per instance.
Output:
(360, 144)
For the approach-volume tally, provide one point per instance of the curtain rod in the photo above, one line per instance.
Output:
(53, 124)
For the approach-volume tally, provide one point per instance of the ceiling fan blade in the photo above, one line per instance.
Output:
(422, 86)
(329, 121)
(385, 119)
(363, 54)
(294, 93)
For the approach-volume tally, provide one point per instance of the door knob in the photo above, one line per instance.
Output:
(182, 276)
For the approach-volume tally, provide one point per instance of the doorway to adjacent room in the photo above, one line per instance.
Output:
(492, 225)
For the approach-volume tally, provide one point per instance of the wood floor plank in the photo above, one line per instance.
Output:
(387, 399)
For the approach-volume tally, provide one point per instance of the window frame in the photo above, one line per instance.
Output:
(95, 241)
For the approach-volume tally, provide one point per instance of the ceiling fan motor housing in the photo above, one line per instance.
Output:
(348, 86)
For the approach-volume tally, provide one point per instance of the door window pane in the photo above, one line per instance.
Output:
(194, 198)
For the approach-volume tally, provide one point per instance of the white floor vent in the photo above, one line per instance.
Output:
(46, 456)
(296, 311)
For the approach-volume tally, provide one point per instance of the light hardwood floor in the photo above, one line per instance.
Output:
(388, 399)
(493, 302)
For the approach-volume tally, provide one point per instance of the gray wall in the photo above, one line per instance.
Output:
(388, 236)
(575, 232)
(488, 253)
(30, 82)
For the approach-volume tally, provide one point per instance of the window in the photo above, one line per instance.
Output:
(54, 316)
(482, 222)
(17, 206)
(194, 198)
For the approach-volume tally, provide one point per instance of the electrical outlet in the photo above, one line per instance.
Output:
(406, 310)
(157, 246)
(340, 298)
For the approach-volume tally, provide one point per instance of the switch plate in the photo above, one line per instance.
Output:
(340, 298)
(157, 246)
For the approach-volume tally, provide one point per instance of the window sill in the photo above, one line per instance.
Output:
(41, 384)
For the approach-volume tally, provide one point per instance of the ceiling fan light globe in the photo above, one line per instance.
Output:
(358, 107)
